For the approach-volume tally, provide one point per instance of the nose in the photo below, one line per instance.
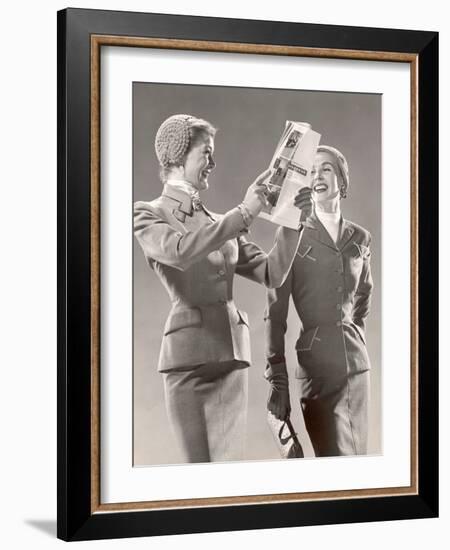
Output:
(211, 163)
(317, 174)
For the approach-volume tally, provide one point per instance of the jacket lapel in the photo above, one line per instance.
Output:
(346, 234)
(184, 200)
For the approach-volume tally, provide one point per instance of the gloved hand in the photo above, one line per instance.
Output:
(303, 201)
(278, 403)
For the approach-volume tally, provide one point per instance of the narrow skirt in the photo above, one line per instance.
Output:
(207, 409)
(335, 410)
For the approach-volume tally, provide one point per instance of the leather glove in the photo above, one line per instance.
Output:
(303, 201)
(279, 402)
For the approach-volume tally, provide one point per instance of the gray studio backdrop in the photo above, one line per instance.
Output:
(250, 122)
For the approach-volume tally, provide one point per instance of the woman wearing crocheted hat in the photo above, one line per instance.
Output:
(331, 286)
(205, 348)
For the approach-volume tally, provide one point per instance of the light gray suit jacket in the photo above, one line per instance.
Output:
(195, 254)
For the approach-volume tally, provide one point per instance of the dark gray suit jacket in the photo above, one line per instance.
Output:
(331, 287)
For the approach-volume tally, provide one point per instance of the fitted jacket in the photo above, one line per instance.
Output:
(196, 254)
(331, 288)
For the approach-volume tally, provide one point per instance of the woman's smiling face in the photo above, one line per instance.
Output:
(325, 177)
(199, 162)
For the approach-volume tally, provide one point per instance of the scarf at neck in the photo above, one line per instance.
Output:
(185, 186)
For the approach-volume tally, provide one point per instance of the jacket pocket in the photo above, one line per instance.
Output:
(321, 351)
(360, 252)
(307, 339)
(184, 318)
(305, 252)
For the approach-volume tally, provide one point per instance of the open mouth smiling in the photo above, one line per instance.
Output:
(320, 187)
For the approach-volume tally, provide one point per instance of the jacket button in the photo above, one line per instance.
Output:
(221, 272)
(339, 289)
(338, 306)
(339, 324)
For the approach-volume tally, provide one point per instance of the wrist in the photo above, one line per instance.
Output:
(246, 213)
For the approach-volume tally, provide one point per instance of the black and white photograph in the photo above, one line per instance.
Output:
(247, 270)
(244, 329)
(137, 411)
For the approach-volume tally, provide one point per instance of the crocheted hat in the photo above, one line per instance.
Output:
(172, 139)
(341, 163)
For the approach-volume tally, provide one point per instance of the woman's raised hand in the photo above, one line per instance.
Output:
(255, 198)
(303, 201)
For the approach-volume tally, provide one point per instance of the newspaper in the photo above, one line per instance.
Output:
(291, 170)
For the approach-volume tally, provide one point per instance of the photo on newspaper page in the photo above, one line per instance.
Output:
(291, 167)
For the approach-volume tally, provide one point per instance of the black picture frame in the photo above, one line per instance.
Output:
(79, 517)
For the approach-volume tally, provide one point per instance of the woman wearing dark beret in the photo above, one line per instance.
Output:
(331, 286)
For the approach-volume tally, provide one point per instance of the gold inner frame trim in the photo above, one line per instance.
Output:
(97, 41)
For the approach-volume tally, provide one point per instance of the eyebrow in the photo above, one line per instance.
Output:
(324, 164)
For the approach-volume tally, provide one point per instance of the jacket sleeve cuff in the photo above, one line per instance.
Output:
(278, 369)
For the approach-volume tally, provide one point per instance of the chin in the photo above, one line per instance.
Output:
(203, 185)
(320, 197)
